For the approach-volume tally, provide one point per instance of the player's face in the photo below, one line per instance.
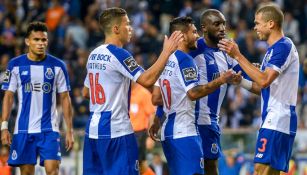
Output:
(37, 42)
(125, 29)
(261, 27)
(215, 27)
(191, 37)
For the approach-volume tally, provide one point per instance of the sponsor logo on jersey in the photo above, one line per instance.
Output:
(214, 148)
(202, 163)
(14, 155)
(189, 74)
(24, 73)
(131, 64)
(7, 76)
(49, 73)
(259, 155)
(45, 87)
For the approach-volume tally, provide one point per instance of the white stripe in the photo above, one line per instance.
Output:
(19, 92)
(36, 108)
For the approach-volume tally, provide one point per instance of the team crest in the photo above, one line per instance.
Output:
(49, 73)
(14, 155)
(214, 148)
(7, 76)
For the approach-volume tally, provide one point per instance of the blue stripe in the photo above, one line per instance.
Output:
(104, 126)
(129, 97)
(293, 120)
(169, 128)
(23, 122)
(213, 98)
(47, 98)
(265, 95)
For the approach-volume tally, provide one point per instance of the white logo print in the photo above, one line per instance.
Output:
(24, 72)
(137, 165)
(14, 155)
(201, 163)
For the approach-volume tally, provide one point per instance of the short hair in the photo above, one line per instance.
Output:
(181, 24)
(206, 13)
(109, 16)
(272, 12)
(36, 26)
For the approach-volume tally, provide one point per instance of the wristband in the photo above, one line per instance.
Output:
(4, 125)
(160, 112)
(246, 84)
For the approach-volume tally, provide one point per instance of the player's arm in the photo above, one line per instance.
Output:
(86, 92)
(262, 79)
(156, 97)
(67, 112)
(150, 76)
(203, 90)
(8, 101)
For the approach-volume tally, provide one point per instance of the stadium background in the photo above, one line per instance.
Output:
(74, 32)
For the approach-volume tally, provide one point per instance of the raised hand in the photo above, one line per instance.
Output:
(230, 47)
(236, 78)
(171, 44)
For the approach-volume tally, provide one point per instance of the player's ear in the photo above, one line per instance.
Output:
(272, 24)
(27, 41)
(203, 28)
(115, 29)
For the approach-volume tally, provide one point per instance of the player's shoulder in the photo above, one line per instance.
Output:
(201, 45)
(182, 57)
(52, 60)
(119, 53)
(283, 45)
(17, 61)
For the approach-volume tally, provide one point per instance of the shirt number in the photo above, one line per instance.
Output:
(97, 92)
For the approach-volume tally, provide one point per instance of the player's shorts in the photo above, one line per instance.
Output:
(116, 156)
(210, 141)
(274, 148)
(184, 155)
(25, 148)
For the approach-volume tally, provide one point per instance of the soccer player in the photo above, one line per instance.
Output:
(110, 146)
(211, 62)
(36, 76)
(277, 82)
(179, 84)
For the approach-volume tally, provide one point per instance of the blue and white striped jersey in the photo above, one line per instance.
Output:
(36, 83)
(278, 101)
(179, 76)
(109, 71)
(211, 62)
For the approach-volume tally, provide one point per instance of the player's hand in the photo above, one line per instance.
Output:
(154, 129)
(227, 76)
(69, 140)
(236, 78)
(230, 47)
(257, 65)
(170, 44)
(6, 137)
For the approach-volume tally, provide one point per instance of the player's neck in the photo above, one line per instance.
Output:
(209, 42)
(274, 37)
(114, 41)
(34, 57)
(183, 48)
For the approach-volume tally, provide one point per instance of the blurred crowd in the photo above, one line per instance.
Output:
(74, 31)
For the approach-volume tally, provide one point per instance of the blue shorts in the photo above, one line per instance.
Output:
(116, 156)
(26, 148)
(210, 141)
(274, 148)
(184, 155)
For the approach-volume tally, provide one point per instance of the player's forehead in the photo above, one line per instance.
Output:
(216, 17)
(38, 34)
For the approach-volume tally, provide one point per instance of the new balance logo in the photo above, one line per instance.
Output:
(259, 155)
(24, 72)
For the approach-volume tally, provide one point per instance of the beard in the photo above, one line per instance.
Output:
(213, 38)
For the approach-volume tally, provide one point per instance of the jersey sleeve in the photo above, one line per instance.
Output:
(62, 83)
(10, 80)
(126, 64)
(188, 73)
(86, 81)
(278, 57)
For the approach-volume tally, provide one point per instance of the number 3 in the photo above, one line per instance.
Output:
(264, 142)
(97, 92)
